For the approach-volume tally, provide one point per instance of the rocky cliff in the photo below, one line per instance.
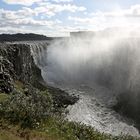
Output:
(17, 64)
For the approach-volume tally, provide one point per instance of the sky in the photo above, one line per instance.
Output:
(58, 17)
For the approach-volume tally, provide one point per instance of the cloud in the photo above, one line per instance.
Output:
(133, 11)
(12, 30)
(19, 14)
(22, 2)
(82, 20)
(31, 2)
(100, 20)
(46, 6)
(52, 9)
(36, 19)
(21, 18)
(65, 1)
(32, 22)
(40, 17)
(24, 22)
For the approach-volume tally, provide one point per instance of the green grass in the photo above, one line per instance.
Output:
(5, 135)
(3, 97)
(66, 130)
(19, 86)
(55, 129)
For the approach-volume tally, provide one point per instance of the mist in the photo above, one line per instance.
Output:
(102, 67)
(107, 58)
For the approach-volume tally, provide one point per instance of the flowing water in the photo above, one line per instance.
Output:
(96, 71)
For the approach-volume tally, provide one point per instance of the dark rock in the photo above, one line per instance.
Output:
(6, 75)
(22, 63)
(128, 105)
(62, 98)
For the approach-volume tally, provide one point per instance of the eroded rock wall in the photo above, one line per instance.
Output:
(17, 64)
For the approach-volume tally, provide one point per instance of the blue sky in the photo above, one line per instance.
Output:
(55, 17)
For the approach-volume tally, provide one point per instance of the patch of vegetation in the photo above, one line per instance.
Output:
(3, 97)
(19, 86)
(66, 130)
(56, 129)
(28, 110)
(30, 114)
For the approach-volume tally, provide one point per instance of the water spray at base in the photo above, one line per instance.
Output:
(106, 62)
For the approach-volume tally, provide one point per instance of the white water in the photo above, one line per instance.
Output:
(78, 66)
(94, 109)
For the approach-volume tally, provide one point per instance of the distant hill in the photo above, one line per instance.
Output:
(23, 37)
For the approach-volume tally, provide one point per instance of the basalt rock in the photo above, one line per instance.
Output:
(6, 75)
(21, 64)
(62, 98)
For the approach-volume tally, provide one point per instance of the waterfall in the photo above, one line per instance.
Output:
(39, 52)
(98, 68)
(110, 62)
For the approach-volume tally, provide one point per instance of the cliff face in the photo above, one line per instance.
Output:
(17, 64)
